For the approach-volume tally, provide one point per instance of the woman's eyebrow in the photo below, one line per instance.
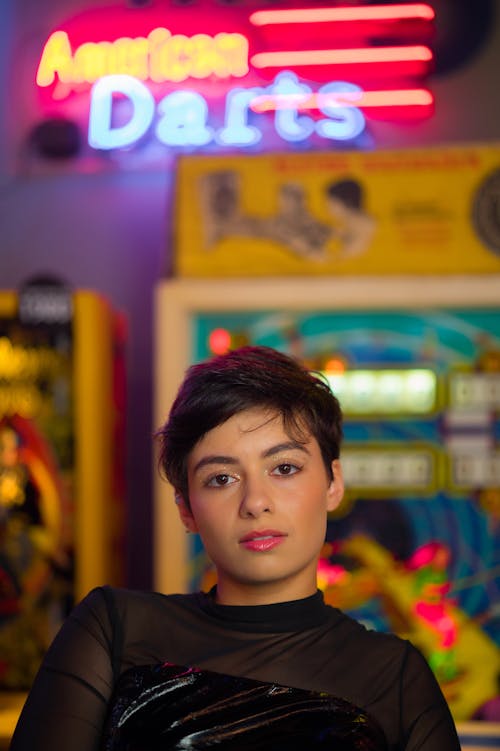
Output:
(222, 459)
(214, 459)
(287, 446)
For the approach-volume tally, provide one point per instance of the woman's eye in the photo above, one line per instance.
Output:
(286, 469)
(219, 481)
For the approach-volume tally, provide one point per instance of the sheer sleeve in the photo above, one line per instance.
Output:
(425, 718)
(67, 704)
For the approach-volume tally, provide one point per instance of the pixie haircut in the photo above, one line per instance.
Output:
(215, 390)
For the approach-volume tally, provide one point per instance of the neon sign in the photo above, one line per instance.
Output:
(344, 15)
(146, 77)
(159, 57)
(183, 115)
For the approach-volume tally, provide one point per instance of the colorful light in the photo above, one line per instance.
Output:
(359, 98)
(102, 135)
(123, 109)
(329, 15)
(362, 56)
(159, 57)
(134, 69)
(385, 391)
(334, 365)
(219, 341)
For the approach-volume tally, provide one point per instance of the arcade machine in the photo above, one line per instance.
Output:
(61, 486)
(415, 361)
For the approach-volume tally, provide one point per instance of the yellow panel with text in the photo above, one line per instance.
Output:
(418, 211)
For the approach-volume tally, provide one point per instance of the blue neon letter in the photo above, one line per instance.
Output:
(289, 125)
(102, 134)
(184, 120)
(236, 130)
(345, 122)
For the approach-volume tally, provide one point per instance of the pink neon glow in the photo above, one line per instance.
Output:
(432, 553)
(438, 617)
(327, 15)
(341, 57)
(330, 574)
(362, 99)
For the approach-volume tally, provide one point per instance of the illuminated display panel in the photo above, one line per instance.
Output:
(477, 470)
(475, 391)
(410, 470)
(385, 391)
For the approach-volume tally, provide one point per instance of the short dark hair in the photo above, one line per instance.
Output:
(251, 376)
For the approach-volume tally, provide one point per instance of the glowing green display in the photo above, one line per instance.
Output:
(387, 391)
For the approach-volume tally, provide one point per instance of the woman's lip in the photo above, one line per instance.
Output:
(261, 541)
(262, 544)
(261, 533)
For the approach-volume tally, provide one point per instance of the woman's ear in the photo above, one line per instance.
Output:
(185, 514)
(335, 491)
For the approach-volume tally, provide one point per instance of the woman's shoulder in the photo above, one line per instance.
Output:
(129, 615)
(121, 601)
(360, 637)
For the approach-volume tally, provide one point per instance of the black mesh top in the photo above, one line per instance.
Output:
(303, 644)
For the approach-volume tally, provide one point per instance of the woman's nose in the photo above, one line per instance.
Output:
(256, 498)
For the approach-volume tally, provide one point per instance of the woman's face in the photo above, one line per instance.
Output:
(259, 500)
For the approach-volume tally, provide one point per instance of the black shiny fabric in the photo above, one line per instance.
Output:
(169, 707)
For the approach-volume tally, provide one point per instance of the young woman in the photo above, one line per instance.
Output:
(251, 447)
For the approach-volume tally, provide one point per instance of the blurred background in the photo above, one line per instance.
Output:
(182, 176)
